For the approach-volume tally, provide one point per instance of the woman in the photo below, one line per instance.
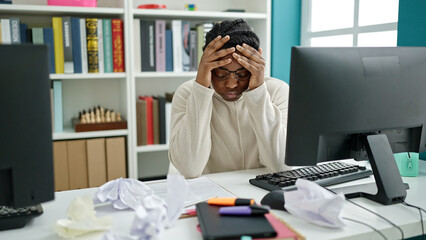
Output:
(231, 117)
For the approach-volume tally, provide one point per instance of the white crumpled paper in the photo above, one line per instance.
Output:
(315, 204)
(81, 219)
(153, 214)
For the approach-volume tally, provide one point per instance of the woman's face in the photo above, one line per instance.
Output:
(229, 87)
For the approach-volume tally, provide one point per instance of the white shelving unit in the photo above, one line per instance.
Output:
(120, 90)
(257, 14)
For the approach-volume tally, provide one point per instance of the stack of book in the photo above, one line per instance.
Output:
(161, 46)
(76, 45)
(152, 120)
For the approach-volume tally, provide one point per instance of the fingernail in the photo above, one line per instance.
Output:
(227, 37)
(245, 45)
(232, 49)
(239, 47)
(218, 37)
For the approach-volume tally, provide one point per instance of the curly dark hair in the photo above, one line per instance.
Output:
(239, 31)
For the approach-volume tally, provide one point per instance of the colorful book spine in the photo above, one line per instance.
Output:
(186, 60)
(160, 45)
(83, 41)
(76, 44)
(162, 118)
(101, 47)
(117, 45)
(149, 119)
(57, 105)
(169, 51)
(92, 45)
(48, 40)
(5, 31)
(148, 45)
(15, 32)
(59, 45)
(23, 27)
(37, 35)
(193, 50)
(141, 122)
(177, 45)
(67, 38)
(106, 25)
(137, 44)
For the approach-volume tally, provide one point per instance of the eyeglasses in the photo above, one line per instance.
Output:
(222, 74)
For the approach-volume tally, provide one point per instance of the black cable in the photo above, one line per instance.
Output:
(365, 224)
(380, 216)
(421, 217)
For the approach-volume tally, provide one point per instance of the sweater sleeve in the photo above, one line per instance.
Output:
(190, 136)
(267, 106)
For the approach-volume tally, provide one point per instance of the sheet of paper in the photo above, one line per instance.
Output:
(199, 189)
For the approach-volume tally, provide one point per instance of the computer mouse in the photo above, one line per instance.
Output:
(274, 199)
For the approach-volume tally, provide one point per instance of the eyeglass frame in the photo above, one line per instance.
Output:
(229, 73)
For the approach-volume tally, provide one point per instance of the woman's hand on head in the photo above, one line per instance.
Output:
(252, 60)
(211, 59)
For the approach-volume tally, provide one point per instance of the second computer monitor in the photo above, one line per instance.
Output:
(340, 95)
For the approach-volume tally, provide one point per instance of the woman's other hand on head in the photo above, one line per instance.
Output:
(252, 60)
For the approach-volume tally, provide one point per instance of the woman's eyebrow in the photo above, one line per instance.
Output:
(232, 71)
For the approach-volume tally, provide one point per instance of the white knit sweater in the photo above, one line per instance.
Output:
(209, 134)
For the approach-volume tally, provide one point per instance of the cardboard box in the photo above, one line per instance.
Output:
(96, 162)
(77, 164)
(116, 158)
(60, 164)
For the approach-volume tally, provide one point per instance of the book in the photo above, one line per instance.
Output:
(141, 122)
(101, 47)
(60, 166)
(148, 45)
(177, 45)
(96, 162)
(169, 51)
(116, 158)
(15, 31)
(283, 230)
(162, 118)
(137, 44)
(202, 30)
(107, 42)
(5, 31)
(215, 226)
(149, 119)
(186, 28)
(83, 41)
(37, 35)
(155, 121)
(23, 27)
(117, 45)
(67, 38)
(57, 105)
(168, 119)
(76, 44)
(193, 57)
(160, 45)
(92, 45)
(77, 164)
(59, 45)
(48, 40)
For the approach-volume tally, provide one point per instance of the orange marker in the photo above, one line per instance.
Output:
(231, 201)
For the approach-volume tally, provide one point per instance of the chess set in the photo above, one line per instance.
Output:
(99, 119)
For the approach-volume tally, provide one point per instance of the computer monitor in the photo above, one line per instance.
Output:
(26, 159)
(358, 102)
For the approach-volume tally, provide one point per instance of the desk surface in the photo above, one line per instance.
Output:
(237, 182)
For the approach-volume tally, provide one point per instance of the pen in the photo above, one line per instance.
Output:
(231, 201)
(244, 210)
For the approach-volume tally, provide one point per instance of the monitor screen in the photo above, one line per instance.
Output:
(26, 159)
(340, 95)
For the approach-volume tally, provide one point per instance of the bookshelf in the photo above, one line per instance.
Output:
(119, 91)
(257, 14)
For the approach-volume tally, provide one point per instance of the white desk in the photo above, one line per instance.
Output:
(237, 182)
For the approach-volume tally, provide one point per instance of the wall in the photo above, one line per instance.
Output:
(286, 15)
(412, 27)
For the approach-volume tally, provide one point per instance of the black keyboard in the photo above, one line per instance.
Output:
(11, 218)
(326, 174)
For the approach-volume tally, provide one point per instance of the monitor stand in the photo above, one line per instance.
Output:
(390, 188)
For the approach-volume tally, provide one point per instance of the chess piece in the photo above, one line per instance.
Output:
(112, 116)
(118, 117)
(108, 116)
